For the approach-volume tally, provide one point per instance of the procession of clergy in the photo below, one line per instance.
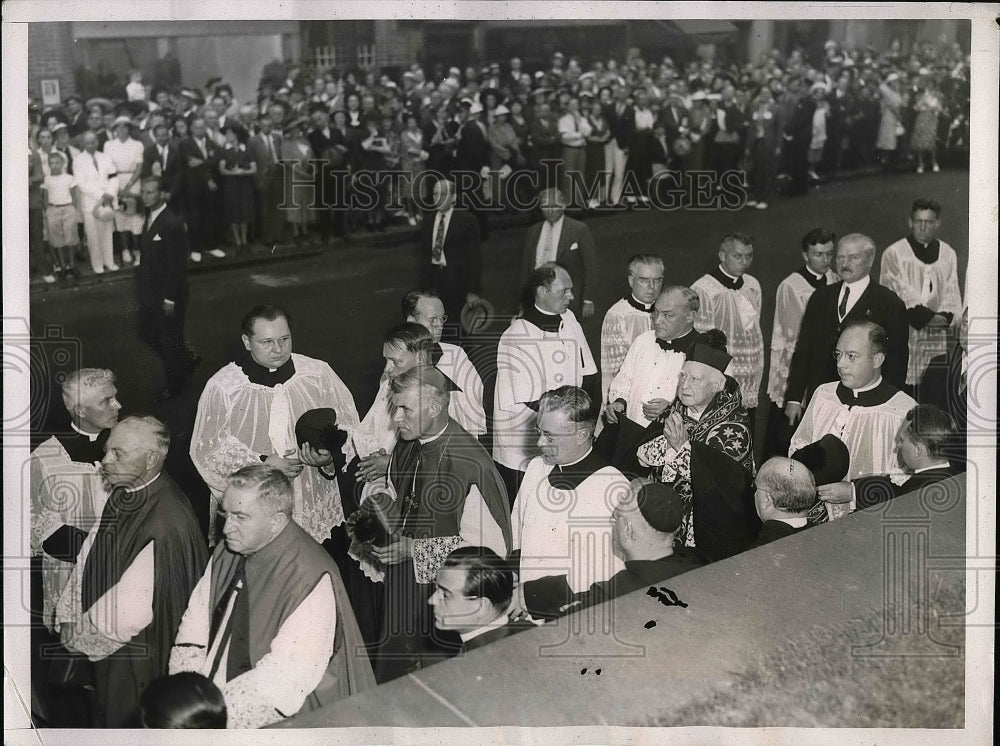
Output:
(346, 552)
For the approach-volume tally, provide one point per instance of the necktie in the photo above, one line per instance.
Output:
(548, 254)
(93, 157)
(270, 147)
(438, 249)
(842, 310)
(236, 633)
(163, 156)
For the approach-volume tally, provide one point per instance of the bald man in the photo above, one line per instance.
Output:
(785, 492)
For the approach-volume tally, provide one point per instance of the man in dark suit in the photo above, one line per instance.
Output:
(472, 154)
(200, 156)
(162, 288)
(920, 447)
(567, 242)
(784, 492)
(265, 149)
(451, 259)
(471, 595)
(830, 310)
(798, 136)
(944, 385)
(621, 124)
(162, 159)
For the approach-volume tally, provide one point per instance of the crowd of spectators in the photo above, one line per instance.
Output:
(787, 122)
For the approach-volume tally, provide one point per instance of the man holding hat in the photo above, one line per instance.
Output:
(247, 413)
(95, 177)
(443, 491)
(784, 492)
(861, 409)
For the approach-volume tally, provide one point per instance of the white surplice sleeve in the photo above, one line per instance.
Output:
(215, 450)
(190, 649)
(788, 311)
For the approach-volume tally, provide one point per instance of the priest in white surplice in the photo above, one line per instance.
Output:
(543, 349)
(862, 409)
(630, 316)
(790, 304)
(247, 414)
(561, 521)
(923, 271)
(731, 302)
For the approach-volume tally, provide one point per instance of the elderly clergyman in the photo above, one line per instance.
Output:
(270, 622)
(134, 573)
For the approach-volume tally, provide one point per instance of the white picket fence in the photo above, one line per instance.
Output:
(327, 57)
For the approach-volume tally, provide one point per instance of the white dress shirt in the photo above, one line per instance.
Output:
(548, 242)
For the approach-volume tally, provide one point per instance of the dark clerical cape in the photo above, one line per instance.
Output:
(278, 578)
(158, 513)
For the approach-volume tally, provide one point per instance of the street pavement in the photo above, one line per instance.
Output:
(345, 297)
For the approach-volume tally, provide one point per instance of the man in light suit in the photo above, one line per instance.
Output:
(567, 242)
(162, 288)
(833, 308)
(451, 259)
(94, 171)
(265, 147)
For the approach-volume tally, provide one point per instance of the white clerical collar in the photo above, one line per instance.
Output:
(89, 436)
(794, 522)
(696, 415)
(859, 286)
(544, 312)
(573, 463)
(500, 621)
(145, 484)
(734, 278)
(647, 306)
(939, 465)
(869, 387)
(809, 270)
(431, 439)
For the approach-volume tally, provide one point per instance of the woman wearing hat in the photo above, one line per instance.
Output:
(237, 169)
(890, 127)
(505, 152)
(597, 141)
(412, 159)
(706, 448)
(763, 148)
(928, 107)
(125, 153)
(295, 147)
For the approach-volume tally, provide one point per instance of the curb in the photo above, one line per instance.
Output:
(392, 236)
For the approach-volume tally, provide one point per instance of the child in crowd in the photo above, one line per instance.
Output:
(61, 201)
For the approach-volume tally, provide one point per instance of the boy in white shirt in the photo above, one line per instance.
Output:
(61, 199)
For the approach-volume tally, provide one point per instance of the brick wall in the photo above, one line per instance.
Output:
(50, 55)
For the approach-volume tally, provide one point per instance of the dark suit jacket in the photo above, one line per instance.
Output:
(875, 490)
(473, 151)
(163, 270)
(196, 178)
(672, 124)
(812, 361)
(942, 385)
(577, 262)
(774, 530)
(495, 634)
(462, 253)
(170, 177)
(622, 127)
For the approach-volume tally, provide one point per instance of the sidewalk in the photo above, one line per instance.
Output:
(394, 235)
